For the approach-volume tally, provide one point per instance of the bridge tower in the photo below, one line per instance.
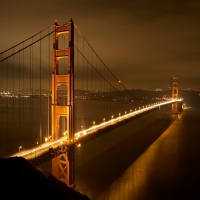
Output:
(175, 93)
(63, 165)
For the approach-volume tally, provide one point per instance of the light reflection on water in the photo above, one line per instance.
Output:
(141, 171)
(167, 169)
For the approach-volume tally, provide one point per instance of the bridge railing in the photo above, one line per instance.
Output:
(51, 149)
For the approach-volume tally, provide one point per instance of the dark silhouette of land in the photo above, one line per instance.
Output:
(20, 180)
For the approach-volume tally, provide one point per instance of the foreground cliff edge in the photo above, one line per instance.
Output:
(20, 180)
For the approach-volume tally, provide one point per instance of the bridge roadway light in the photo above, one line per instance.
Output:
(112, 116)
(35, 149)
(78, 145)
(94, 125)
(65, 133)
(77, 137)
(20, 147)
(104, 119)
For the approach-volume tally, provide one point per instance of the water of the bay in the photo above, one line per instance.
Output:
(26, 122)
(154, 157)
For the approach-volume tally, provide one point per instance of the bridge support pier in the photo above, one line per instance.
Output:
(180, 106)
(63, 165)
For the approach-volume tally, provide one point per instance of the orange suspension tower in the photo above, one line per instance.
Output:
(63, 165)
(175, 93)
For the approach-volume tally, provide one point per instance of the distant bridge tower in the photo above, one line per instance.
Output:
(63, 165)
(175, 93)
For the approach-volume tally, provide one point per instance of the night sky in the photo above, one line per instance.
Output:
(143, 42)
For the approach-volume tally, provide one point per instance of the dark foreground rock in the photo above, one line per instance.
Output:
(19, 180)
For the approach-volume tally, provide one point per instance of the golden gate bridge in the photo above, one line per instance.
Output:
(56, 93)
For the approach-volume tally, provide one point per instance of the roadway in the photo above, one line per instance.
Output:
(44, 148)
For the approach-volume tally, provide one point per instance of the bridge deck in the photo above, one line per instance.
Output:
(49, 150)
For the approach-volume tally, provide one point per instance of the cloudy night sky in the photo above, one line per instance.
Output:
(143, 42)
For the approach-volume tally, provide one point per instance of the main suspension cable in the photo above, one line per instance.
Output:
(26, 40)
(104, 63)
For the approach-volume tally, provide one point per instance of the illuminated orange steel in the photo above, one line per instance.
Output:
(175, 92)
(63, 165)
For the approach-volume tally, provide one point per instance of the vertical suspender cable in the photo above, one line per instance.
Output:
(40, 93)
(110, 95)
(31, 90)
(97, 91)
(82, 118)
(104, 88)
(1, 86)
(48, 65)
(23, 97)
(1, 120)
(93, 73)
(87, 120)
(13, 87)
(107, 97)
(8, 144)
(77, 75)
(19, 114)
